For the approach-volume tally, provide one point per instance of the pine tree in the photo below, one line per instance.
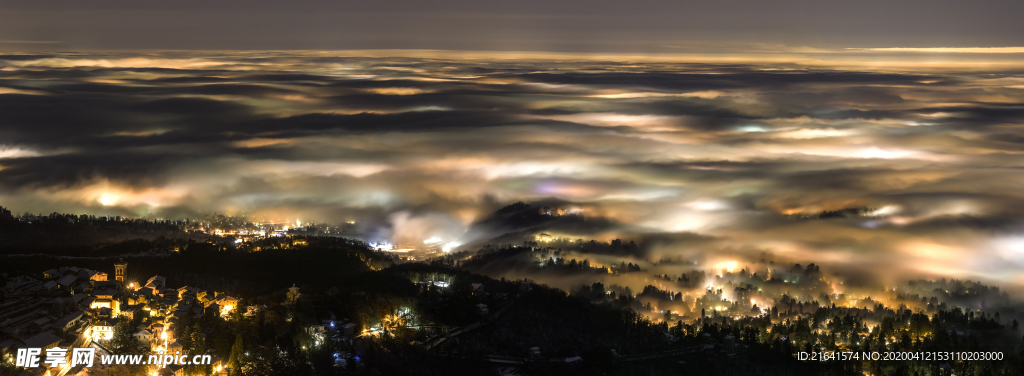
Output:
(197, 344)
(124, 341)
(236, 359)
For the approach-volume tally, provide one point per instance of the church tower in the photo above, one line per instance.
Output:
(120, 270)
(293, 294)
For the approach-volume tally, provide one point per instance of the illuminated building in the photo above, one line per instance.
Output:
(120, 271)
(103, 329)
(293, 294)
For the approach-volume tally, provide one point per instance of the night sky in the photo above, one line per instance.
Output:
(530, 25)
(712, 126)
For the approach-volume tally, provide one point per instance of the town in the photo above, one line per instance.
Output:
(297, 303)
(72, 307)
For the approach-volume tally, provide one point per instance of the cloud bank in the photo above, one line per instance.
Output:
(731, 153)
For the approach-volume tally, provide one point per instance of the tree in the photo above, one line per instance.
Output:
(237, 358)
(196, 342)
(195, 345)
(124, 340)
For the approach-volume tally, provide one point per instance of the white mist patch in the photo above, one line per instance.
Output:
(708, 205)
(752, 129)
(1010, 248)
(429, 229)
(885, 211)
(17, 152)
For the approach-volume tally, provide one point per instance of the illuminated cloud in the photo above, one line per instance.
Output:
(959, 50)
(689, 159)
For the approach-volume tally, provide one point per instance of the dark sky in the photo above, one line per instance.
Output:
(536, 25)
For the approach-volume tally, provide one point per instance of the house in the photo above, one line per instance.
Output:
(182, 306)
(157, 328)
(59, 306)
(186, 290)
(103, 329)
(105, 285)
(86, 302)
(7, 347)
(67, 322)
(50, 286)
(99, 276)
(67, 281)
(251, 311)
(39, 323)
(107, 294)
(76, 299)
(105, 307)
(348, 329)
(478, 289)
(144, 335)
(149, 289)
(218, 365)
(176, 370)
(227, 304)
(81, 286)
(91, 275)
(133, 311)
(44, 340)
(174, 347)
(156, 282)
